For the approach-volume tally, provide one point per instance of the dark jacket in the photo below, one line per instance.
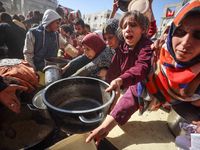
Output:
(12, 36)
(2, 84)
(44, 49)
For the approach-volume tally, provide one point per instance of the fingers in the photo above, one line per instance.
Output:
(14, 107)
(196, 122)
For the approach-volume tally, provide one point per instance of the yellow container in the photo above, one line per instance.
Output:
(70, 50)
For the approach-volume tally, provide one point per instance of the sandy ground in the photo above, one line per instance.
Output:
(147, 132)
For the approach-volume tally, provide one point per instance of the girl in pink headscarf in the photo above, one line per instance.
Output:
(96, 57)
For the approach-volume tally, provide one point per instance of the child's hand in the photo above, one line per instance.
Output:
(102, 131)
(115, 6)
(65, 68)
(115, 85)
(102, 73)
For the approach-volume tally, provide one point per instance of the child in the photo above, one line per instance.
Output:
(66, 33)
(111, 34)
(95, 50)
(178, 66)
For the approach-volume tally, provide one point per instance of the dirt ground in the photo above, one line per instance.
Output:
(147, 132)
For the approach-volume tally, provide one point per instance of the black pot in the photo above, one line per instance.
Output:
(24, 124)
(123, 4)
(78, 104)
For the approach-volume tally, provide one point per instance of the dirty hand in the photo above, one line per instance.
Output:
(9, 98)
(102, 131)
(115, 85)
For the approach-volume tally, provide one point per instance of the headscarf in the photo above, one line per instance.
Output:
(111, 26)
(94, 42)
(171, 81)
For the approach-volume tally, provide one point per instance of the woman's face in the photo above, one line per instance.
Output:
(111, 40)
(90, 53)
(132, 32)
(186, 39)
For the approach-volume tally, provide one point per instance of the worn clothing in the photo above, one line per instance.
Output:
(41, 44)
(20, 70)
(152, 29)
(13, 37)
(75, 65)
(132, 63)
(93, 68)
(132, 66)
(170, 80)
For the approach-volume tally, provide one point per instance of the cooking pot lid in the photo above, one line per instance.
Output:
(188, 111)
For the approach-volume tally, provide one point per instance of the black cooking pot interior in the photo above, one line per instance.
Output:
(78, 104)
(31, 129)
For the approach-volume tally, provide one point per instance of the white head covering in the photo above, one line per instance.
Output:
(99, 33)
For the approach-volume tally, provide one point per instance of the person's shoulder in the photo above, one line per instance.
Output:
(145, 41)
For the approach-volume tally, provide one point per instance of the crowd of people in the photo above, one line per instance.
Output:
(122, 53)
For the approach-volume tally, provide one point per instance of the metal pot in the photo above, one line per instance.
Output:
(38, 105)
(55, 61)
(52, 73)
(182, 112)
(78, 104)
(31, 129)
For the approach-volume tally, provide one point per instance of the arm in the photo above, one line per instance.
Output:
(29, 49)
(102, 131)
(114, 10)
(152, 25)
(75, 64)
(141, 68)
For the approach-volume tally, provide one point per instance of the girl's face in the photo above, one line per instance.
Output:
(132, 32)
(90, 53)
(111, 40)
(186, 39)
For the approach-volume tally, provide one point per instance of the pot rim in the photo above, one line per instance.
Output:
(77, 111)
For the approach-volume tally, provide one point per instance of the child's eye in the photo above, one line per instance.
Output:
(133, 25)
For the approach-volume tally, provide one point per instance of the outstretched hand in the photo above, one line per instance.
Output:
(102, 131)
(9, 98)
(115, 9)
(115, 85)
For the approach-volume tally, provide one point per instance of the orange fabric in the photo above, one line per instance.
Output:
(23, 72)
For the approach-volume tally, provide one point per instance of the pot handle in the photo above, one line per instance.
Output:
(95, 120)
(32, 107)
